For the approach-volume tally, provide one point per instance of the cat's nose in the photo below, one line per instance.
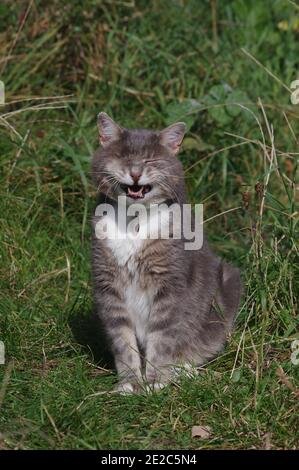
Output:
(135, 174)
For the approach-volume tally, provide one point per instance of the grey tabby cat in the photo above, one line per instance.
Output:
(162, 307)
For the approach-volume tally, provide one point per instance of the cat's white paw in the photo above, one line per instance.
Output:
(155, 387)
(125, 388)
(188, 370)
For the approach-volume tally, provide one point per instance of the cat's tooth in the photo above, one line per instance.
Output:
(134, 193)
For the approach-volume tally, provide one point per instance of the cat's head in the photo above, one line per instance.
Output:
(139, 164)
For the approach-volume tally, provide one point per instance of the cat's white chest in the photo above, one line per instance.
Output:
(139, 303)
(126, 248)
(126, 251)
(139, 300)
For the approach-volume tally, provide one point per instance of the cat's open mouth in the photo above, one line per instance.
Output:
(135, 191)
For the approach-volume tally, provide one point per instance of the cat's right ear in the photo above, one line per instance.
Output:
(172, 136)
(109, 131)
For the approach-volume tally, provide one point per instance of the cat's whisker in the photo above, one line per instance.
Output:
(104, 182)
(167, 187)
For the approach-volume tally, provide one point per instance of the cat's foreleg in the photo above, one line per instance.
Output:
(127, 359)
(124, 348)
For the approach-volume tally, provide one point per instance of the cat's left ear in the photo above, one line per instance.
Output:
(172, 136)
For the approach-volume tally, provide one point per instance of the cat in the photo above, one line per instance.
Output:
(162, 307)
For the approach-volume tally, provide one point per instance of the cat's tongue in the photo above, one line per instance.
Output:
(135, 191)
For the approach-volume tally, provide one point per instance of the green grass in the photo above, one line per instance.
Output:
(148, 65)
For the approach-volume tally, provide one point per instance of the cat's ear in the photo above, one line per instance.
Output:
(109, 131)
(172, 136)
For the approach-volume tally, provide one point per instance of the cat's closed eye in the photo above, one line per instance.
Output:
(153, 160)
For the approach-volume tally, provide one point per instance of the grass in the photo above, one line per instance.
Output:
(223, 67)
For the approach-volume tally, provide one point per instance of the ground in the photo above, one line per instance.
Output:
(226, 69)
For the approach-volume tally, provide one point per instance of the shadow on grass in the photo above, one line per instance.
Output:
(89, 332)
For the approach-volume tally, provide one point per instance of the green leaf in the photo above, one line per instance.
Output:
(236, 376)
(195, 143)
(186, 111)
(236, 97)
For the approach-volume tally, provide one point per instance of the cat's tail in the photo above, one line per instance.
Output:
(222, 313)
(229, 292)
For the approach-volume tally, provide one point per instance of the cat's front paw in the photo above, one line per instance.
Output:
(155, 386)
(124, 388)
(186, 369)
(127, 388)
(156, 381)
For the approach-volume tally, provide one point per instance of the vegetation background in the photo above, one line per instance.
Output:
(225, 67)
